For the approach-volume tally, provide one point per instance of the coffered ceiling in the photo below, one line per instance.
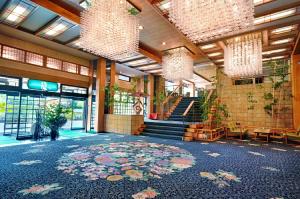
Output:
(59, 21)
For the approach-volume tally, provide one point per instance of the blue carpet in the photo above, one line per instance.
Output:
(116, 166)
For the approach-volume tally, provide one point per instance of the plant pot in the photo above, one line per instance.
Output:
(53, 134)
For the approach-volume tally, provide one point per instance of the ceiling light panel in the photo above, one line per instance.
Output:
(282, 41)
(259, 2)
(56, 28)
(215, 54)
(284, 29)
(16, 12)
(208, 46)
(274, 51)
(275, 16)
(139, 62)
(149, 67)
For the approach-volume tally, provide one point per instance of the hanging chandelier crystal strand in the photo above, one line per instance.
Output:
(109, 30)
(177, 65)
(203, 20)
(243, 56)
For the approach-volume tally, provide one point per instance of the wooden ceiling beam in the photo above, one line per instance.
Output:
(56, 8)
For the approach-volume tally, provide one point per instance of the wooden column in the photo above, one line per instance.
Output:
(112, 83)
(295, 72)
(90, 98)
(100, 95)
(150, 88)
(193, 90)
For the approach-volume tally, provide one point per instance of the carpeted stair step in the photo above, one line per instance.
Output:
(173, 137)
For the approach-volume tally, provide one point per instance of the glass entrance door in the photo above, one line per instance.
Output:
(78, 119)
(11, 120)
(2, 112)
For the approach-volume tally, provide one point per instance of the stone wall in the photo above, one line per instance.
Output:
(242, 110)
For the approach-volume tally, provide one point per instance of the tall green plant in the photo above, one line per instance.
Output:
(212, 108)
(278, 77)
(55, 118)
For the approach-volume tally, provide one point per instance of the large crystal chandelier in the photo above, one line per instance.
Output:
(202, 20)
(109, 30)
(177, 65)
(243, 56)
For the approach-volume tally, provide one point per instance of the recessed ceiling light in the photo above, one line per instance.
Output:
(283, 29)
(141, 27)
(220, 60)
(163, 43)
(275, 16)
(208, 46)
(282, 41)
(214, 54)
(274, 51)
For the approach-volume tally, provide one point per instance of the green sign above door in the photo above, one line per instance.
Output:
(42, 85)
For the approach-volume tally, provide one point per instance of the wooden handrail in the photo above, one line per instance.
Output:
(188, 108)
(169, 96)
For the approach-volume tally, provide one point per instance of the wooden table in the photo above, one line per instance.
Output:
(263, 132)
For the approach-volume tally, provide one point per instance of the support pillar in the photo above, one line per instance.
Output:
(112, 83)
(90, 99)
(295, 75)
(100, 95)
(150, 99)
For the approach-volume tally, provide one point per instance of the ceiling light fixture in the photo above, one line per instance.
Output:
(177, 65)
(274, 51)
(163, 43)
(110, 29)
(282, 41)
(208, 46)
(283, 29)
(141, 27)
(210, 19)
(214, 54)
(243, 56)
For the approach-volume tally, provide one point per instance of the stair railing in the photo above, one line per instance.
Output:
(171, 99)
(186, 112)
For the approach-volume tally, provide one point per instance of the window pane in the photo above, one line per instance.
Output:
(69, 67)
(54, 63)
(13, 53)
(84, 70)
(35, 59)
(8, 81)
(73, 89)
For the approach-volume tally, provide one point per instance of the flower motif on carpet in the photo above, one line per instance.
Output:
(270, 168)
(38, 150)
(278, 149)
(145, 194)
(41, 189)
(38, 146)
(256, 153)
(220, 178)
(28, 162)
(132, 160)
(72, 146)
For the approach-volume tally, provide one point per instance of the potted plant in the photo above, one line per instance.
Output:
(55, 118)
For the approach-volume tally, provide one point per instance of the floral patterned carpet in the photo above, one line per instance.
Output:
(118, 166)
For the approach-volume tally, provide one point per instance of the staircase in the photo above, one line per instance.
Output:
(194, 115)
(165, 129)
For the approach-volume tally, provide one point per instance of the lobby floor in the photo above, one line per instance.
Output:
(118, 166)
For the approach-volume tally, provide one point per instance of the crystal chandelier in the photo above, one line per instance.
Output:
(203, 20)
(177, 65)
(108, 29)
(243, 56)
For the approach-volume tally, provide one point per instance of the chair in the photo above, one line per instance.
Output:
(235, 130)
(293, 135)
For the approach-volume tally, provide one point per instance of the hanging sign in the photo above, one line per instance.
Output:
(42, 85)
